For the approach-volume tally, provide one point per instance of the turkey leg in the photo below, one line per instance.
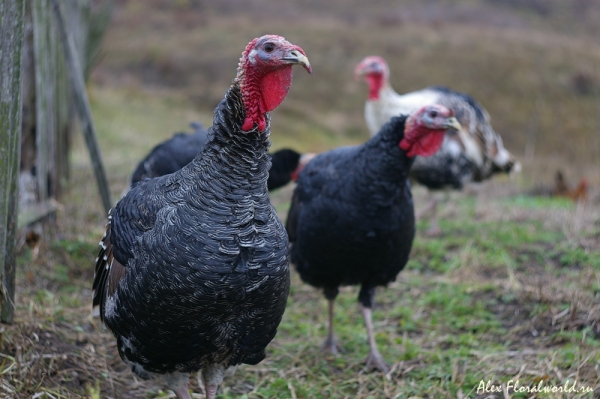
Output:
(331, 344)
(374, 359)
(182, 393)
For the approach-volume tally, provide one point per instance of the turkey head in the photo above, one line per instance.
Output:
(265, 76)
(425, 129)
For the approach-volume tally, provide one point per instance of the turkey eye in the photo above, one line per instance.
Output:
(269, 47)
(433, 114)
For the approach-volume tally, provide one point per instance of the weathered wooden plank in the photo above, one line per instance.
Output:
(65, 112)
(53, 99)
(44, 89)
(59, 142)
(75, 73)
(34, 212)
(77, 14)
(11, 42)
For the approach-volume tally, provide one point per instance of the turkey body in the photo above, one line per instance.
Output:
(193, 272)
(206, 276)
(473, 154)
(352, 219)
(171, 155)
(352, 216)
(352, 222)
(176, 152)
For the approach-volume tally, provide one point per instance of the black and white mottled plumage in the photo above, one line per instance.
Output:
(193, 271)
(199, 258)
(474, 154)
(352, 218)
(477, 149)
(173, 154)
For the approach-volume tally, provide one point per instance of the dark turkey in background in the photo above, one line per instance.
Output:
(173, 154)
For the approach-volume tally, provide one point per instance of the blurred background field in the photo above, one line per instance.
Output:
(532, 64)
(510, 290)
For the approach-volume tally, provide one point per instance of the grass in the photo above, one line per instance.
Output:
(509, 291)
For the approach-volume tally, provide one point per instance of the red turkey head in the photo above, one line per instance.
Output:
(265, 76)
(424, 130)
(376, 73)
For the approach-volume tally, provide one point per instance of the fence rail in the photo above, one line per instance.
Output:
(56, 42)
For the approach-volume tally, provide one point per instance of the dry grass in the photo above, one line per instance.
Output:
(501, 304)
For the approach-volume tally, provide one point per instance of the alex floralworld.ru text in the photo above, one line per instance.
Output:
(515, 386)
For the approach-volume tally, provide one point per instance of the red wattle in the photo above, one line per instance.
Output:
(375, 82)
(294, 176)
(274, 86)
(248, 124)
(423, 145)
(262, 124)
(265, 96)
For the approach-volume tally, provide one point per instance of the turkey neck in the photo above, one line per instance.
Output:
(379, 88)
(236, 159)
(382, 166)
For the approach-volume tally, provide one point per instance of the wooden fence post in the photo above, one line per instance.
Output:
(75, 73)
(49, 103)
(11, 42)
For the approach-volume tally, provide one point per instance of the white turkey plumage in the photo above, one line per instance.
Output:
(474, 154)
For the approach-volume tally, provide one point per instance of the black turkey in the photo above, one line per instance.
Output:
(171, 155)
(352, 218)
(193, 271)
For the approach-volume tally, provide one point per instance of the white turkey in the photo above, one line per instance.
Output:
(193, 272)
(472, 155)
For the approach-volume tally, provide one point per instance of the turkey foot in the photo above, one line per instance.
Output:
(182, 393)
(331, 345)
(211, 391)
(375, 361)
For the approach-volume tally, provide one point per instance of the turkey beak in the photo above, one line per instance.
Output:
(296, 57)
(360, 71)
(452, 123)
(365, 68)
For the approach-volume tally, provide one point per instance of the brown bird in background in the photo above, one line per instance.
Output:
(562, 189)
